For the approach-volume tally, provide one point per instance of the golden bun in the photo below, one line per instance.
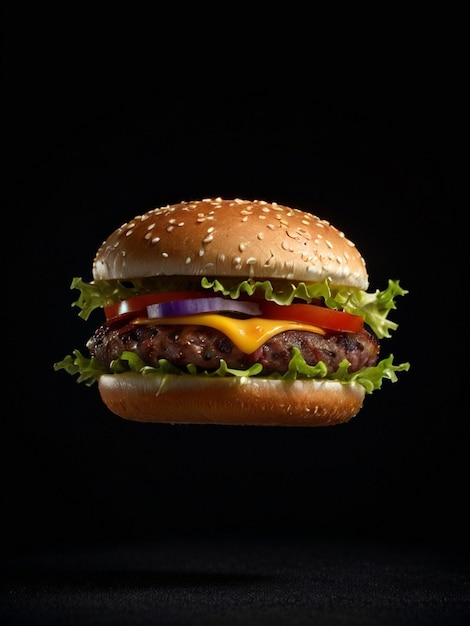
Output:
(239, 238)
(233, 400)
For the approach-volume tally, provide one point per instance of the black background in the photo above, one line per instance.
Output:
(370, 132)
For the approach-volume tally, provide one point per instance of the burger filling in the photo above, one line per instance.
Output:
(205, 347)
(247, 328)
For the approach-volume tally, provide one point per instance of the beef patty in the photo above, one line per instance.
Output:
(204, 347)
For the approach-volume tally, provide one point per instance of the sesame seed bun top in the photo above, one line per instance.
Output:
(237, 238)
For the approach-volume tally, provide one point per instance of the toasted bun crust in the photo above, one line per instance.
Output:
(237, 238)
(232, 400)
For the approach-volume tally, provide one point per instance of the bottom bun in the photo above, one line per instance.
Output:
(167, 398)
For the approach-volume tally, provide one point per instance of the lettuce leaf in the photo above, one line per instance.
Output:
(373, 307)
(369, 377)
(88, 370)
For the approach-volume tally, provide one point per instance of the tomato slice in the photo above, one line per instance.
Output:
(316, 315)
(308, 313)
(137, 305)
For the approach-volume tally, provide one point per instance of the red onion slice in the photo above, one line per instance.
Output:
(202, 305)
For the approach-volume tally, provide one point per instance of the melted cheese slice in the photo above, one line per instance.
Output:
(247, 334)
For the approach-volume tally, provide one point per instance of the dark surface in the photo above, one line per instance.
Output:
(222, 580)
(102, 516)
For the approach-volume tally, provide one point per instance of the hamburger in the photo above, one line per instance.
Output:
(233, 312)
